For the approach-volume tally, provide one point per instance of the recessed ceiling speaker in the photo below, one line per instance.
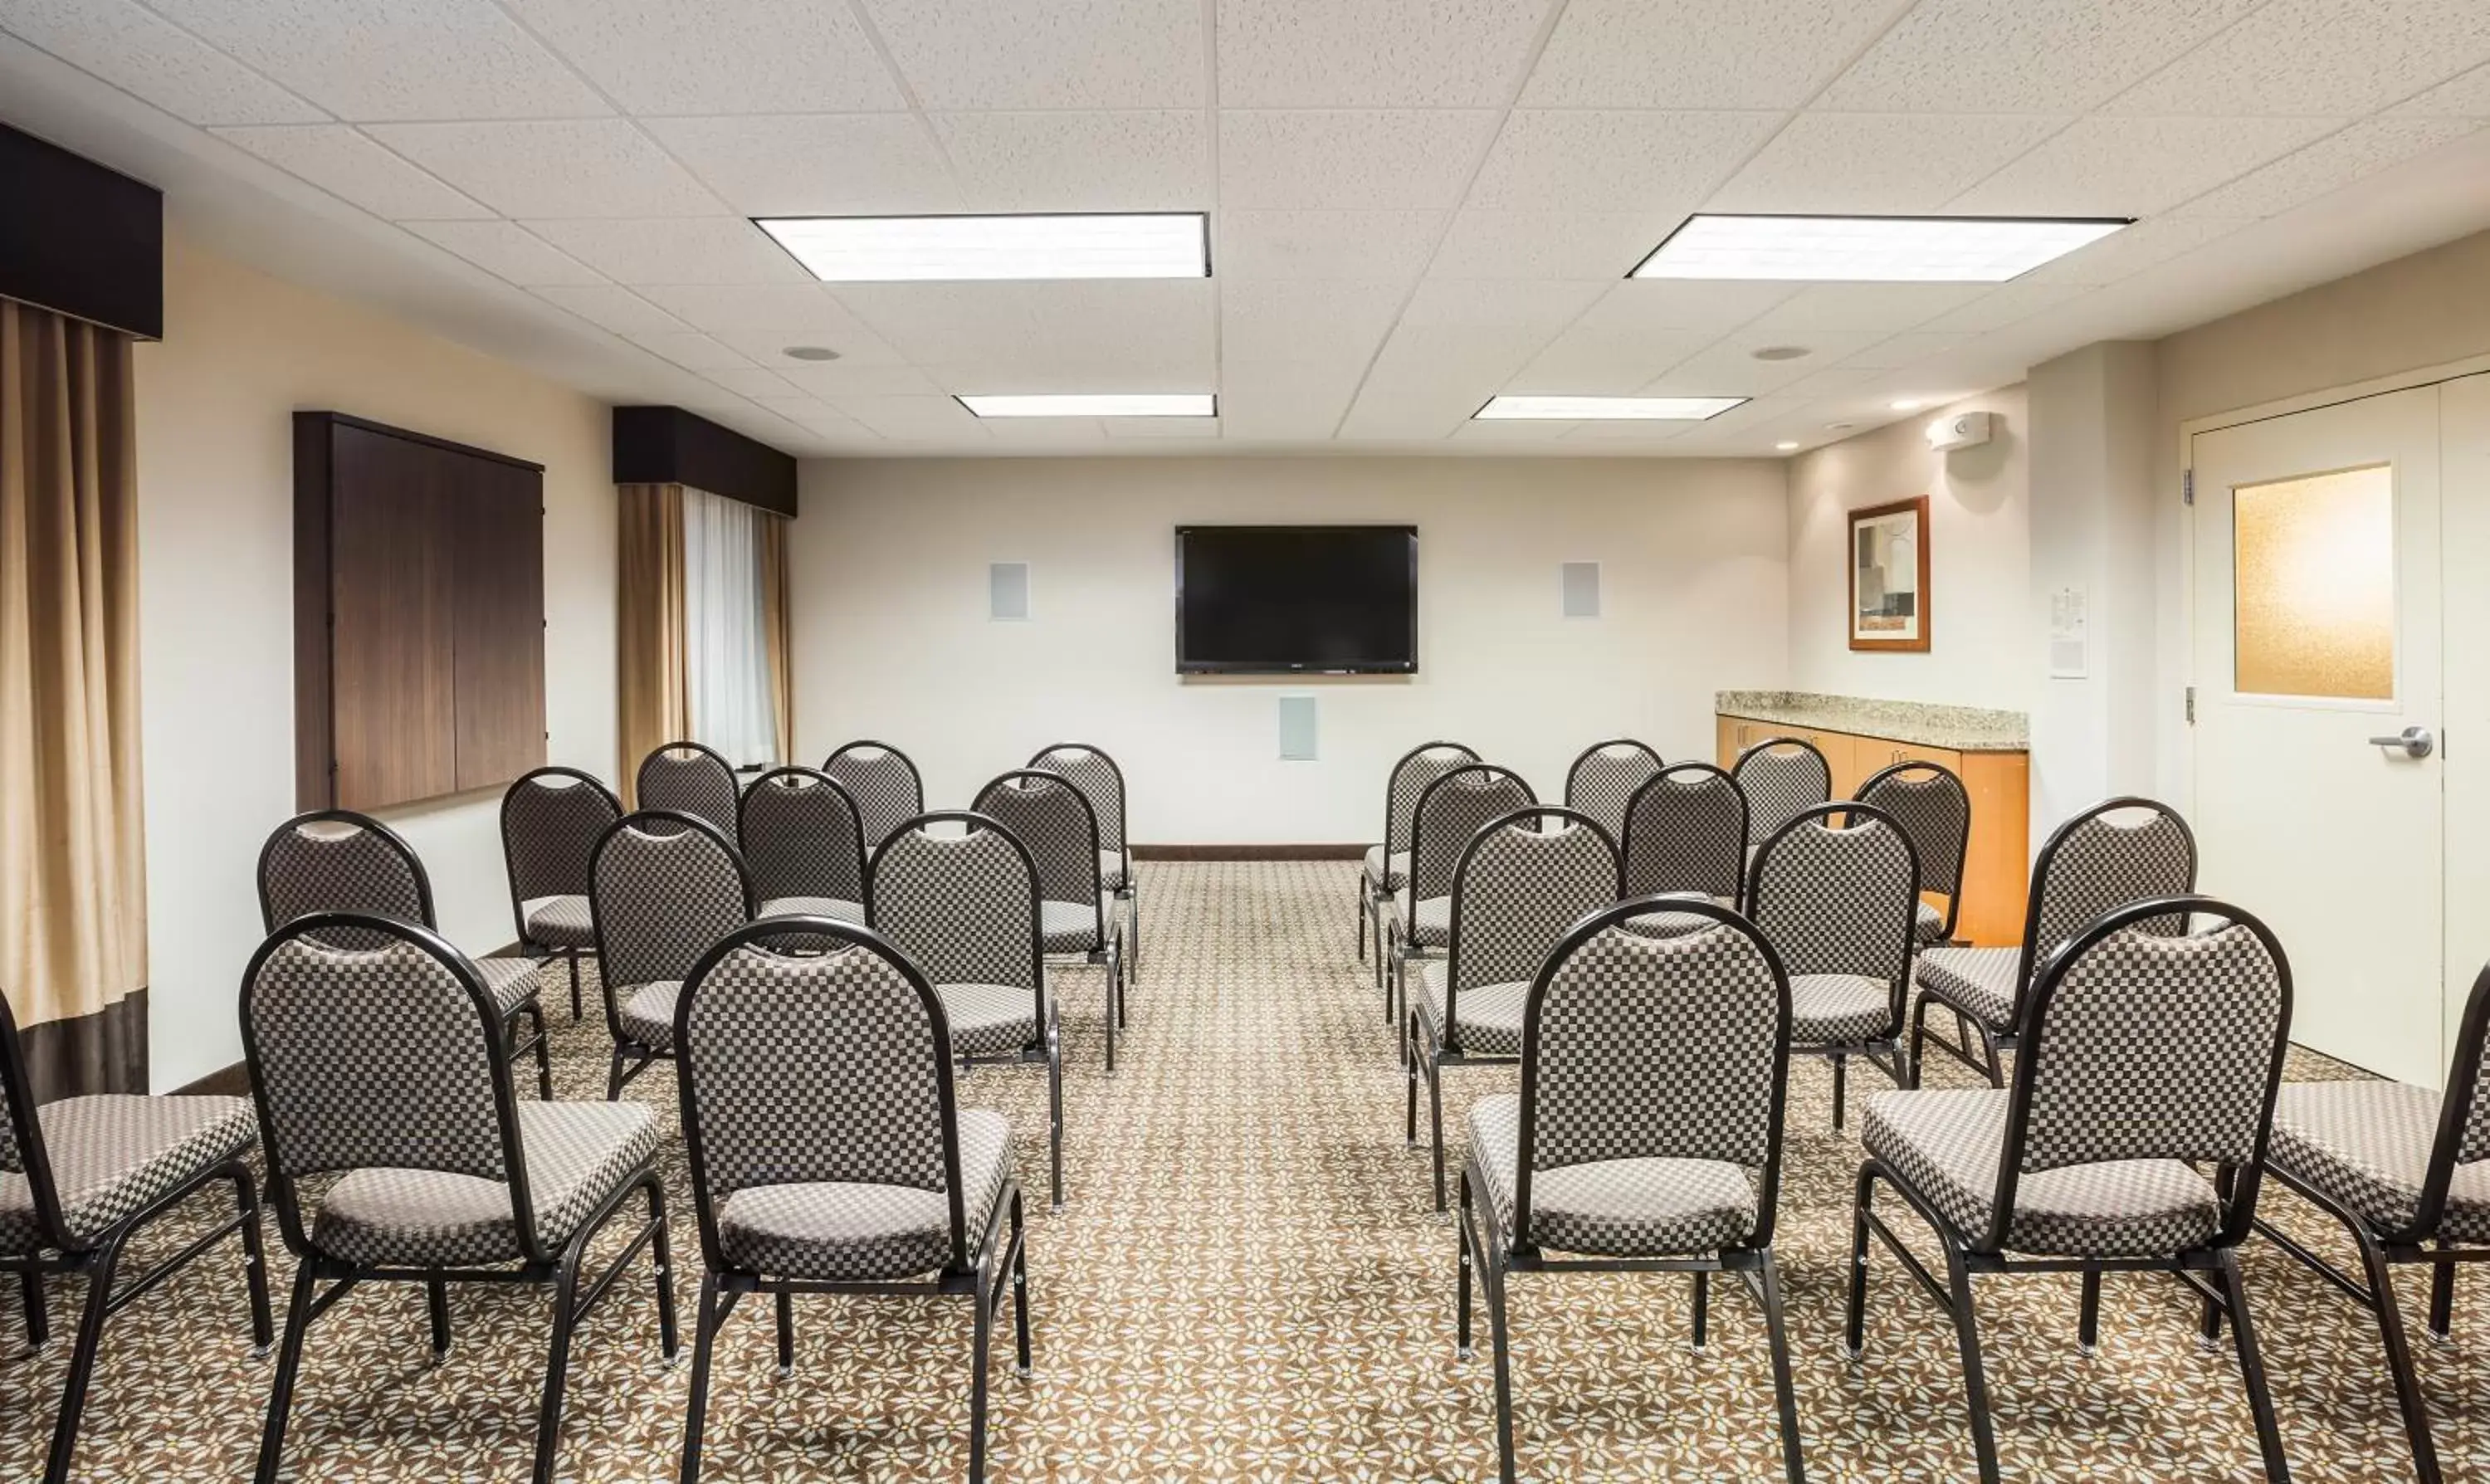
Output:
(1007, 592)
(809, 353)
(1297, 729)
(1581, 584)
(1780, 351)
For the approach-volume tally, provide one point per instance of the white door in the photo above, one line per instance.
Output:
(2318, 631)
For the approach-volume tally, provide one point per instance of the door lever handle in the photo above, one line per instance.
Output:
(2411, 742)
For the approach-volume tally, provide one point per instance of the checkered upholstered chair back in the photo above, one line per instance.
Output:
(884, 784)
(379, 1058)
(1455, 807)
(1604, 779)
(1837, 891)
(962, 906)
(1525, 879)
(665, 888)
(2117, 852)
(338, 861)
(802, 836)
(1051, 818)
(1657, 1048)
(551, 821)
(1418, 767)
(1685, 830)
(19, 1126)
(828, 1068)
(1781, 777)
(1934, 809)
(2469, 1101)
(688, 778)
(1100, 781)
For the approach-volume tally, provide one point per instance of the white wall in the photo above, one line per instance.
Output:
(240, 353)
(1978, 556)
(892, 641)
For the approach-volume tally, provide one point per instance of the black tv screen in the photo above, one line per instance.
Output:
(1284, 600)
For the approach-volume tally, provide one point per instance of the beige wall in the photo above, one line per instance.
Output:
(240, 353)
(892, 639)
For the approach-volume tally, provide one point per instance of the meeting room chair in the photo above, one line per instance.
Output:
(1781, 775)
(551, 820)
(1646, 1136)
(664, 886)
(1603, 780)
(340, 860)
(957, 896)
(804, 842)
(687, 778)
(86, 1176)
(1834, 892)
(1522, 882)
(1387, 864)
(1934, 809)
(2403, 1169)
(2119, 851)
(1078, 918)
(1685, 833)
(884, 783)
(2144, 1056)
(1450, 810)
(378, 1075)
(1101, 781)
(828, 1151)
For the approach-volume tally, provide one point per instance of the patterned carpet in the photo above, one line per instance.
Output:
(1248, 1283)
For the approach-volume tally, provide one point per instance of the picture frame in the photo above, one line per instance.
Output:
(1888, 554)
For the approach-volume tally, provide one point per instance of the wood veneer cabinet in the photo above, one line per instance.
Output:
(1996, 877)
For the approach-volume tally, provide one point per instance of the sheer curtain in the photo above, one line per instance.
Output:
(726, 633)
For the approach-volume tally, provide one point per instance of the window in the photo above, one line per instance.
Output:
(2314, 601)
(733, 707)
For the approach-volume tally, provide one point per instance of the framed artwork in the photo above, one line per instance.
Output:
(1889, 577)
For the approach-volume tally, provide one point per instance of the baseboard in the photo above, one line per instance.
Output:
(1249, 852)
(224, 1082)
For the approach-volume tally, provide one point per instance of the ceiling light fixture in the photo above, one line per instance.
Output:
(1592, 409)
(1906, 404)
(1095, 404)
(809, 353)
(1893, 249)
(883, 250)
(1786, 445)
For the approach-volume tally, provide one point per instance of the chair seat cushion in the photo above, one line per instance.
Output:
(115, 1154)
(1069, 927)
(648, 1012)
(1927, 924)
(1980, 982)
(989, 1020)
(866, 1234)
(578, 1155)
(1839, 1007)
(1946, 1146)
(514, 981)
(1610, 1207)
(1433, 924)
(561, 922)
(1676, 924)
(1383, 875)
(2367, 1146)
(1489, 1014)
(1110, 870)
(836, 909)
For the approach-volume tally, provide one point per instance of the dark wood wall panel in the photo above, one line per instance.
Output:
(392, 599)
(500, 627)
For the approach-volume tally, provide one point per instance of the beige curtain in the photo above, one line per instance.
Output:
(778, 629)
(656, 695)
(73, 847)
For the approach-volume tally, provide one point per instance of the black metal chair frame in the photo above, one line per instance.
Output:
(1968, 1255)
(1397, 948)
(1752, 1262)
(2414, 1243)
(723, 1285)
(734, 779)
(539, 1266)
(1108, 949)
(1738, 769)
(915, 779)
(818, 779)
(642, 1055)
(1951, 892)
(1882, 1052)
(1423, 1052)
(1968, 1028)
(518, 906)
(1048, 1051)
(1369, 899)
(1130, 891)
(1628, 887)
(1574, 771)
(539, 1042)
(99, 1257)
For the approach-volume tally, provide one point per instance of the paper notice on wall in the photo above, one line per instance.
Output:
(2070, 645)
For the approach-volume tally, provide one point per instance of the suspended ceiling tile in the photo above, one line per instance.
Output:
(1907, 349)
(2024, 56)
(1641, 306)
(573, 168)
(665, 56)
(1334, 244)
(2005, 304)
(1484, 244)
(2467, 97)
(772, 317)
(1879, 162)
(2119, 166)
(1140, 159)
(339, 160)
(1284, 400)
(2332, 163)
(1606, 159)
(1367, 159)
(2145, 245)
(693, 352)
(1307, 319)
(1595, 360)
(914, 418)
(1374, 53)
(856, 378)
(675, 251)
(1699, 53)
(614, 308)
(394, 59)
(2320, 57)
(1008, 54)
(782, 165)
(747, 380)
(506, 250)
(145, 55)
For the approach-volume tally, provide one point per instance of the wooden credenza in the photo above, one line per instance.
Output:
(1997, 868)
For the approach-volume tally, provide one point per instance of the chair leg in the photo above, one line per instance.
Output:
(1462, 1300)
(436, 1297)
(1361, 919)
(661, 1263)
(289, 1363)
(1840, 1086)
(2399, 1358)
(565, 1302)
(2253, 1370)
(1784, 1392)
(1496, 1340)
(1410, 1055)
(573, 956)
(1974, 1384)
(545, 1054)
(1702, 1305)
(1055, 1119)
(38, 1325)
(2442, 1301)
(1436, 1115)
(1019, 1286)
(2088, 1319)
(614, 1078)
(90, 1337)
(1855, 1337)
(1114, 1009)
(1997, 1063)
(704, 1333)
(980, 1348)
(786, 1334)
(254, 1261)
(1919, 1038)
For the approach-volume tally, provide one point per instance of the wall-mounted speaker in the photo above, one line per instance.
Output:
(1581, 585)
(1297, 729)
(1008, 591)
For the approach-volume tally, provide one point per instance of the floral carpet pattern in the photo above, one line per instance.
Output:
(1248, 1283)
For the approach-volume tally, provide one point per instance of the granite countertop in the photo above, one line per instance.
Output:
(1954, 728)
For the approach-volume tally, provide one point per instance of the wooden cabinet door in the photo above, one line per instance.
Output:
(391, 615)
(498, 528)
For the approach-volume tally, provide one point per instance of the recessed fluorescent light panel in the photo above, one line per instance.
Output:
(885, 250)
(1096, 404)
(1869, 250)
(1596, 408)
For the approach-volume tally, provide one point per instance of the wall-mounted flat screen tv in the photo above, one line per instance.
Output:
(1296, 599)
